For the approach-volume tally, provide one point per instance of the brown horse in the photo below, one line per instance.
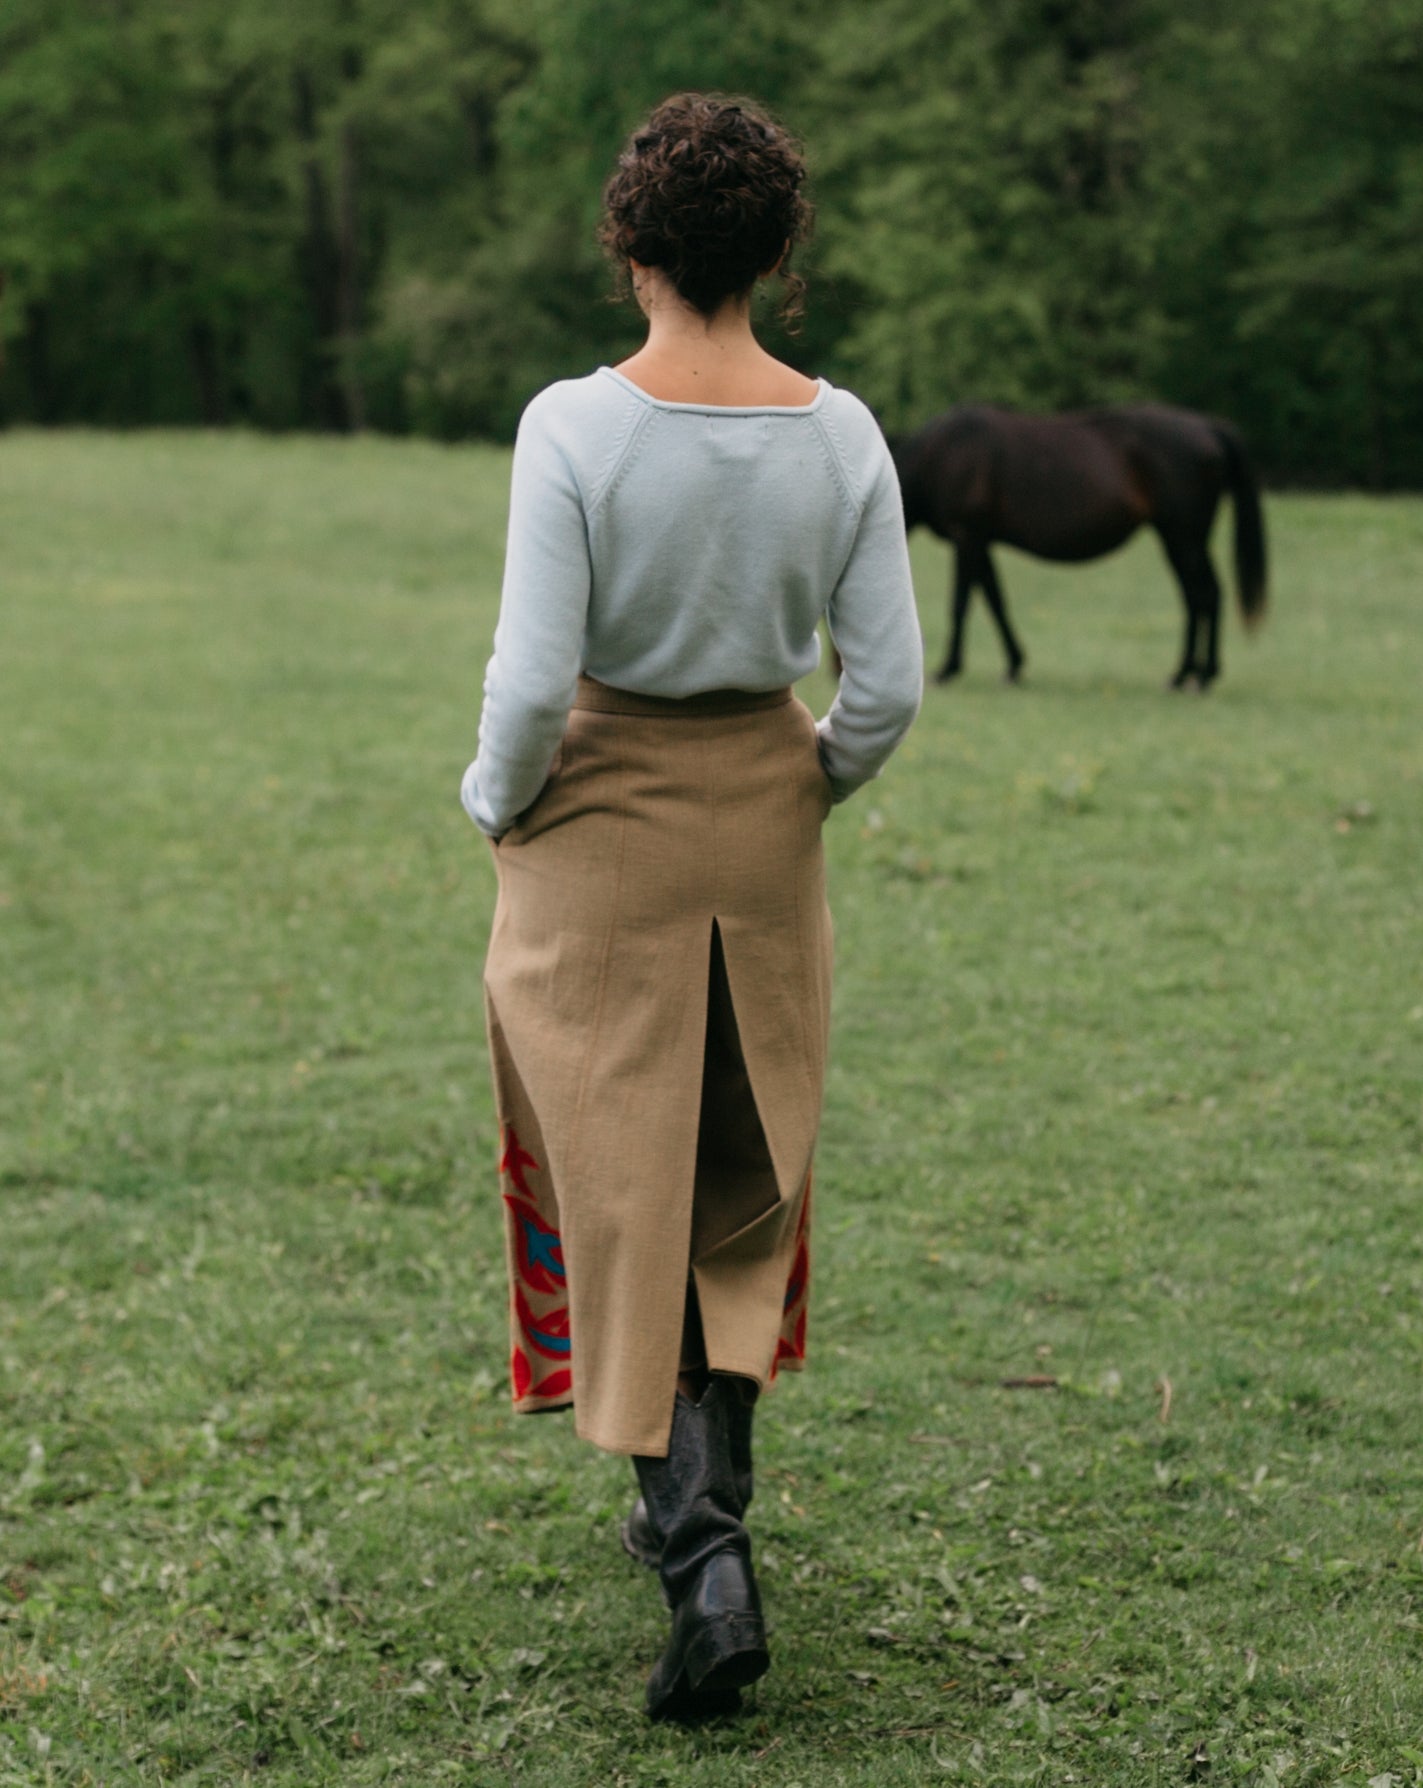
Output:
(1076, 486)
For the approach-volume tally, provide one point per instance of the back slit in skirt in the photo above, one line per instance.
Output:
(657, 992)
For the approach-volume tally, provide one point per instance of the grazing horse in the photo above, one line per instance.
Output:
(1076, 486)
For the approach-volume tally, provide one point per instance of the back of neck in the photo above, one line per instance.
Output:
(719, 362)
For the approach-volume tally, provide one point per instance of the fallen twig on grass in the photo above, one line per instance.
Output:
(1163, 1386)
(1035, 1381)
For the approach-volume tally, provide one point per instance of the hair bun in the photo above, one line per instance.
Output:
(709, 191)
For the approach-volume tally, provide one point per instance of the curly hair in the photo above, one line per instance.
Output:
(709, 191)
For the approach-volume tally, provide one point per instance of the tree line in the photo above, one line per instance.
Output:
(380, 213)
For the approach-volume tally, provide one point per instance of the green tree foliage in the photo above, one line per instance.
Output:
(1337, 289)
(200, 203)
(984, 199)
(527, 301)
(105, 217)
(1287, 178)
(381, 212)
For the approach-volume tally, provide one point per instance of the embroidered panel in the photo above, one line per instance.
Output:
(541, 1359)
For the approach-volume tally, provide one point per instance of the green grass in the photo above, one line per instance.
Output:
(1127, 1089)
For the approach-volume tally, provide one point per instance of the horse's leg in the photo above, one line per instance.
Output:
(1209, 670)
(1200, 591)
(993, 595)
(1178, 557)
(1187, 667)
(958, 612)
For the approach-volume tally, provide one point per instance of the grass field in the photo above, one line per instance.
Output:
(1126, 1091)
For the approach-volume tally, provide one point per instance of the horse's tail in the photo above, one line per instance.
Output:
(1250, 580)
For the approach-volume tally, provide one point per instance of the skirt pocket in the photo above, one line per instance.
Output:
(527, 822)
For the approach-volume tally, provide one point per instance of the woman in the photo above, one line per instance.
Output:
(658, 978)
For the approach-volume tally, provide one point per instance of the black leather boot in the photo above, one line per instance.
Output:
(694, 1499)
(640, 1537)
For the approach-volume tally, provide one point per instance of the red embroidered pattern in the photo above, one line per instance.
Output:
(791, 1343)
(540, 1290)
(514, 1160)
(538, 1248)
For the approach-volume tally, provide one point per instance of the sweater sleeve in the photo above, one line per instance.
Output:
(531, 679)
(875, 627)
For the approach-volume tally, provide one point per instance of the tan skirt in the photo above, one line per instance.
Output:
(658, 996)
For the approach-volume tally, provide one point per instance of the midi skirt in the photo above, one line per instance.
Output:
(657, 991)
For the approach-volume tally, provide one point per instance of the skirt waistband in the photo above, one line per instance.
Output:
(602, 698)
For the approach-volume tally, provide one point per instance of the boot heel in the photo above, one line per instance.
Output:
(728, 1653)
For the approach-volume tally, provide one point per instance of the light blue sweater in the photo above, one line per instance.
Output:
(670, 549)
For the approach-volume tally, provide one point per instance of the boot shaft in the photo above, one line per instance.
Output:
(694, 1499)
(695, 1495)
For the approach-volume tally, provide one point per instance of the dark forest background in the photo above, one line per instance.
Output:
(345, 214)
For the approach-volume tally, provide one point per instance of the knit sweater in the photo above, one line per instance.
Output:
(670, 548)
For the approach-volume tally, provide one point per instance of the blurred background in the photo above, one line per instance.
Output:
(379, 214)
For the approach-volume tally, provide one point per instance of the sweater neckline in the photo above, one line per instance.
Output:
(665, 403)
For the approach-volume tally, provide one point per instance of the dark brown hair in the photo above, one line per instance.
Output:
(709, 191)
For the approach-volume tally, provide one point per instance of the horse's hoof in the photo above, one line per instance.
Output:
(946, 675)
(1014, 675)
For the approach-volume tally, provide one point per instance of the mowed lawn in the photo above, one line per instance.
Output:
(1126, 1095)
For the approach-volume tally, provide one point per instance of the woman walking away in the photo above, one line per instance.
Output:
(658, 978)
